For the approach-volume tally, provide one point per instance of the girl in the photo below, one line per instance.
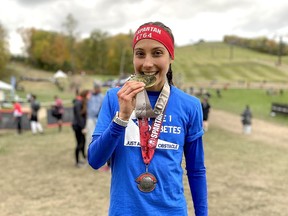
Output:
(145, 131)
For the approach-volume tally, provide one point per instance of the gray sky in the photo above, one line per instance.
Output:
(190, 20)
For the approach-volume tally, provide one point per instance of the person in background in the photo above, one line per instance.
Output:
(247, 120)
(218, 92)
(93, 107)
(146, 130)
(17, 114)
(79, 123)
(34, 122)
(58, 111)
(205, 109)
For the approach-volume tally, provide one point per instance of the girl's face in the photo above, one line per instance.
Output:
(152, 58)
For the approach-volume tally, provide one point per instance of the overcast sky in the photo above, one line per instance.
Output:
(190, 20)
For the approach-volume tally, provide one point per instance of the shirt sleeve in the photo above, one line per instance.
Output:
(194, 156)
(196, 173)
(107, 134)
(102, 146)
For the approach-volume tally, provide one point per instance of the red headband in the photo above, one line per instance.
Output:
(157, 33)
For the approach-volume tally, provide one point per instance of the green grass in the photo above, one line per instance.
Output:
(235, 100)
(211, 61)
(45, 91)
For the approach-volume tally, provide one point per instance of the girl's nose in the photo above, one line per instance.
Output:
(148, 62)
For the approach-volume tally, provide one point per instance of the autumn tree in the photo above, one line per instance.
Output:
(92, 52)
(99, 53)
(120, 54)
(45, 49)
(4, 53)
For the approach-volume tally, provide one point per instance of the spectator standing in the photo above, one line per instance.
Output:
(93, 107)
(247, 120)
(218, 92)
(17, 114)
(205, 109)
(34, 122)
(58, 111)
(79, 123)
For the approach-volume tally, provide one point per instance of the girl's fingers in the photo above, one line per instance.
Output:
(130, 89)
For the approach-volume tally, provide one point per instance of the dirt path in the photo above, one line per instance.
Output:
(261, 130)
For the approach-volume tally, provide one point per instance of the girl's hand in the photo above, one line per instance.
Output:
(127, 97)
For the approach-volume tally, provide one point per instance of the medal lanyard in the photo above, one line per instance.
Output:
(149, 138)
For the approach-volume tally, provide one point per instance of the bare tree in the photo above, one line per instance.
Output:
(70, 25)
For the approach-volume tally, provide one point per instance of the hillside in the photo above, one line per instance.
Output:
(218, 62)
(211, 62)
(208, 65)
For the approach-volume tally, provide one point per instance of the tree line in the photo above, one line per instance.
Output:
(260, 44)
(100, 53)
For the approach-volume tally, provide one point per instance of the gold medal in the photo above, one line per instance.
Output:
(148, 80)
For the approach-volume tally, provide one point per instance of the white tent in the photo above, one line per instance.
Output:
(5, 86)
(60, 74)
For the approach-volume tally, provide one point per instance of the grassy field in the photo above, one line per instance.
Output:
(235, 100)
(39, 177)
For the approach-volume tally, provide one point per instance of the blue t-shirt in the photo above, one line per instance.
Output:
(181, 132)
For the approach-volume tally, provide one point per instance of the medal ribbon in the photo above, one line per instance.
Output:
(149, 138)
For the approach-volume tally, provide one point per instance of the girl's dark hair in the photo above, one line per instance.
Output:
(83, 95)
(169, 74)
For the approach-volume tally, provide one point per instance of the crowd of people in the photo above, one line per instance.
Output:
(85, 108)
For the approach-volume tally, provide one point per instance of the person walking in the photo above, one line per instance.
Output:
(145, 127)
(78, 125)
(247, 120)
(34, 122)
(17, 114)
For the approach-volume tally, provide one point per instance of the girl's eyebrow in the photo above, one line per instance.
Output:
(152, 48)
